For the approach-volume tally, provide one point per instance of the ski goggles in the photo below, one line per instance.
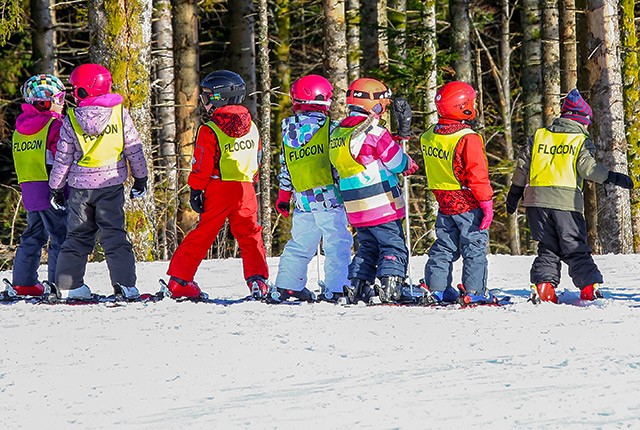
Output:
(208, 98)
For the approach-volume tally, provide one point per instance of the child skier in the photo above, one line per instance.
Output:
(368, 161)
(225, 161)
(98, 140)
(551, 182)
(34, 146)
(306, 174)
(458, 175)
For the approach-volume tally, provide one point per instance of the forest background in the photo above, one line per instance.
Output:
(523, 57)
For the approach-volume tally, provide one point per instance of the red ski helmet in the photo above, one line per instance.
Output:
(370, 95)
(456, 100)
(311, 93)
(90, 80)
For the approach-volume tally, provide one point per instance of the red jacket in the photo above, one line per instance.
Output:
(235, 121)
(470, 167)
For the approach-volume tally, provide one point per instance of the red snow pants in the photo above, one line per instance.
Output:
(236, 201)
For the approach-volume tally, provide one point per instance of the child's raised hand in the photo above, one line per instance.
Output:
(413, 167)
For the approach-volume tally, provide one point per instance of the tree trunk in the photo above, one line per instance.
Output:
(242, 47)
(354, 52)
(164, 113)
(505, 72)
(461, 39)
(121, 38)
(551, 60)
(430, 47)
(264, 123)
(605, 79)
(531, 66)
(335, 54)
(569, 54)
(373, 25)
(398, 30)
(631, 107)
(187, 84)
(43, 37)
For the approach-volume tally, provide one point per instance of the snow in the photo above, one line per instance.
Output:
(250, 365)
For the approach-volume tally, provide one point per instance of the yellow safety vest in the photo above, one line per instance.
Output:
(340, 152)
(30, 155)
(309, 165)
(238, 155)
(104, 149)
(438, 151)
(554, 157)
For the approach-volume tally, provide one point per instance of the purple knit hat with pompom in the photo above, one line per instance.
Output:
(576, 108)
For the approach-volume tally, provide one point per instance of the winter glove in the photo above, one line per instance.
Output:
(282, 204)
(57, 200)
(197, 201)
(619, 179)
(487, 208)
(513, 197)
(413, 167)
(402, 113)
(139, 187)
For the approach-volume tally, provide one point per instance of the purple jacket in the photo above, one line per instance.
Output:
(35, 195)
(93, 116)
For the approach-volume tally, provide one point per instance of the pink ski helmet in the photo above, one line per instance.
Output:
(311, 93)
(90, 80)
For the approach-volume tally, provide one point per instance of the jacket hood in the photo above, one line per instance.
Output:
(93, 114)
(31, 120)
(234, 120)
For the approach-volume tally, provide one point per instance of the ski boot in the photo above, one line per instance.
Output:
(45, 290)
(428, 298)
(80, 293)
(359, 290)
(330, 296)
(591, 292)
(31, 290)
(390, 289)
(126, 293)
(543, 292)
(177, 289)
(279, 295)
(258, 286)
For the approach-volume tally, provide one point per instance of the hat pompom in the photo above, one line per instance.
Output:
(574, 107)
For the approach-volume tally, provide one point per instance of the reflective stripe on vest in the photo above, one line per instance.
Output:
(554, 157)
(340, 152)
(309, 165)
(105, 148)
(30, 155)
(238, 155)
(438, 151)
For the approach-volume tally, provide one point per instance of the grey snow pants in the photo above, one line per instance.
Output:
(96, 212)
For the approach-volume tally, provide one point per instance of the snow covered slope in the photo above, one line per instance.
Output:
(250, 365)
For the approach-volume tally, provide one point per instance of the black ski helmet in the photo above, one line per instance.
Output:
(227, 88)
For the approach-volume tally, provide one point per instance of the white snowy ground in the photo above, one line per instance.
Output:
(250, 365)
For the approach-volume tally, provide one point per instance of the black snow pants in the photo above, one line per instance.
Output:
(562, 236)
(96, 212)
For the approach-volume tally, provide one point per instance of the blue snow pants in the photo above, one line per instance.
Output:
(307, 229)
(458, 235)
(382, 252)
(49, 224)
